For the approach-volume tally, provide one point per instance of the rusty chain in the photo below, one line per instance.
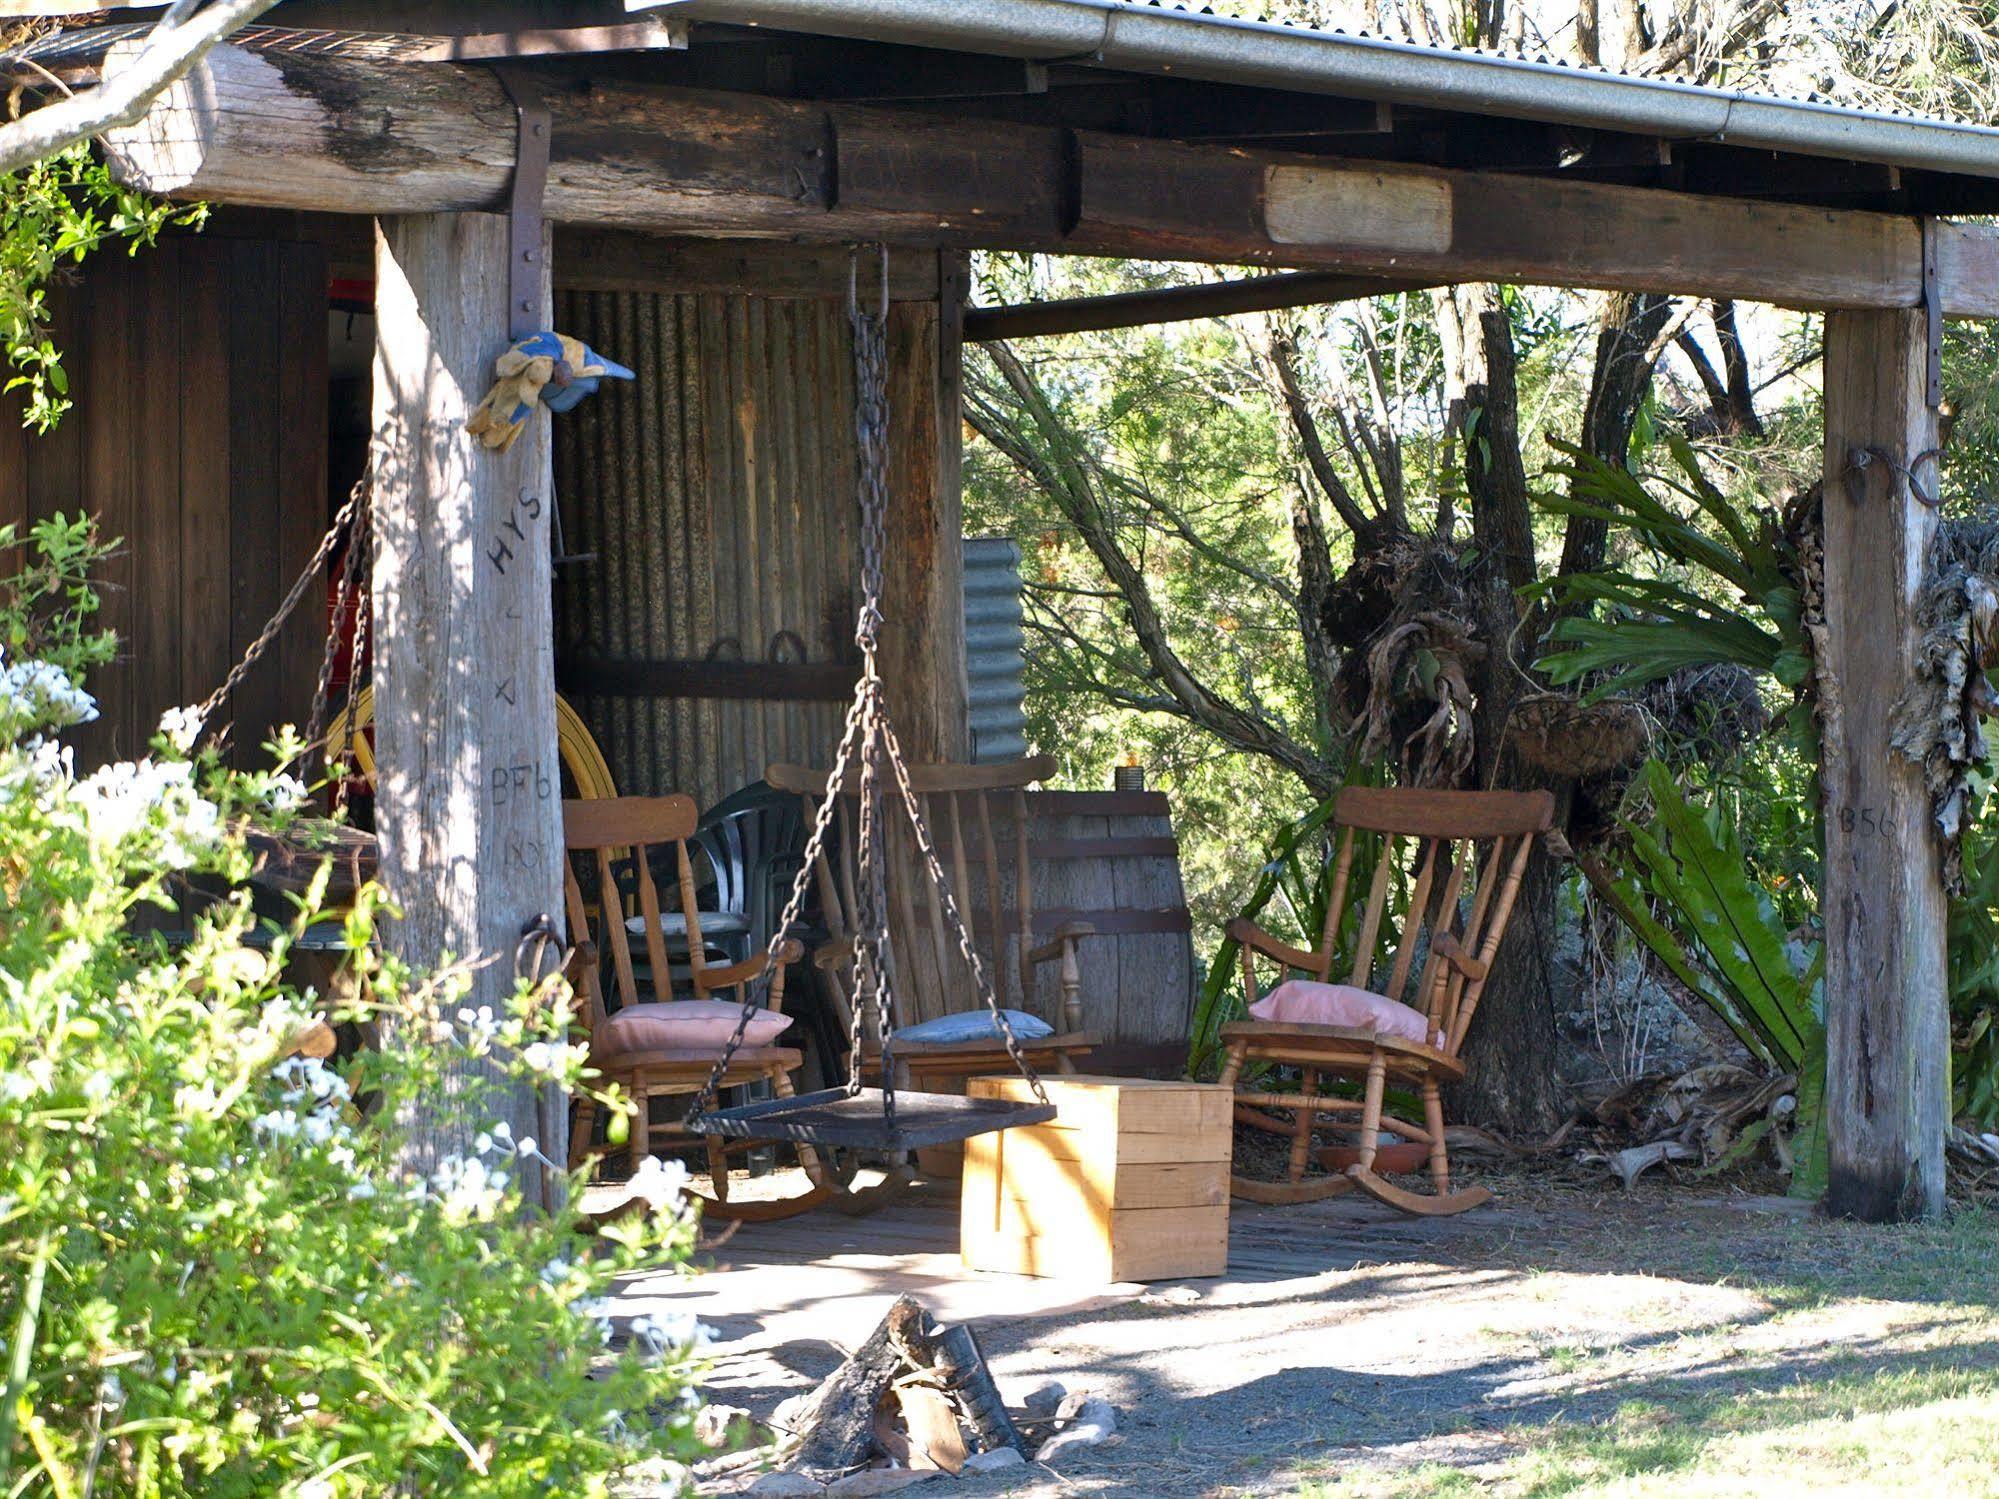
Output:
(348, 596)
(343, 522)
(869, 731)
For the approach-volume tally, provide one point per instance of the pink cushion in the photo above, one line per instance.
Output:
(1304, 1002)
(687, 1025)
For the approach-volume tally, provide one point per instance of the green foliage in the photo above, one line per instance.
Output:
(1974, 984)
(217, 1277)
(1687, 895)
(1657, 622)
(1974, 961)
(52, 215)
(49, 601)
(1197, 486)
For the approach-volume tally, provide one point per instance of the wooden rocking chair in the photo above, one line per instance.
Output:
(1449, 828)
(978, 815)
(599, 831)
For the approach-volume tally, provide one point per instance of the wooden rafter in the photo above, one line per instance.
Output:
(1175, 304)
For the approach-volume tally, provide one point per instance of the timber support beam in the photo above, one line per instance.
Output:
(1887, 1012)
(468, 786)
(299, 131)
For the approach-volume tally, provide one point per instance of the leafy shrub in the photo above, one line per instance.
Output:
(1654, 624)
(1974, 985)
(1658, 622)
(1974, 960)
(52, 214)
(216, 1276)
(1688, 896)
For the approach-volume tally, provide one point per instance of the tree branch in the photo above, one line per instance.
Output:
(1703, 367)
(1177, 524)
(1683, 47)
(1735, 369)
(181, 39)
(1731, 396)
(1315, 588)
(1377, 431)
(1278, 355)
(1064, 474)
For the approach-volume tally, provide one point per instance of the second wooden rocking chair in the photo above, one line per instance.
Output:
(1464, 900)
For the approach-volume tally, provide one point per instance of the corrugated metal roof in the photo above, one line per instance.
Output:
(86, 43)
(1164, 38)
(1255, 17)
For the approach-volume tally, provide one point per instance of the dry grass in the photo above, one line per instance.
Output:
(1861, 1361)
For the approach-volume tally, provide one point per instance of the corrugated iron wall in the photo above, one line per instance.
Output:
(993, 645)
(714, 497)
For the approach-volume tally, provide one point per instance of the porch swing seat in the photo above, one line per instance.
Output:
(858, 1120)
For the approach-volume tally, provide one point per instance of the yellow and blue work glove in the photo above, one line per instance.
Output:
(552, 368)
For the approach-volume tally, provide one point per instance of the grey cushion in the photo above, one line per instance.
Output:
(975, 1025)
(674, 924)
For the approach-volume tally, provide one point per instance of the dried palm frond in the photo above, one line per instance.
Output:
(1937, 720)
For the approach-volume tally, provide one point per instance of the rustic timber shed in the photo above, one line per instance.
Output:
(707, 155)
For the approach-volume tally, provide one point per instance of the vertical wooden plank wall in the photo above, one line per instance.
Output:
(198, 438)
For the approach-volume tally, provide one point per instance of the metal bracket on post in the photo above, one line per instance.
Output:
(525, 236)
(524, 207)
(1933, 315)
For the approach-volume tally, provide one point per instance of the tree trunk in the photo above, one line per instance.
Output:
(1623, 374)
(1510, 1083)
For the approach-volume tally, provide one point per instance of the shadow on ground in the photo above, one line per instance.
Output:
(1349, 1343)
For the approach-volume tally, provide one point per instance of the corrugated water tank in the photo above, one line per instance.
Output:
(993, 646)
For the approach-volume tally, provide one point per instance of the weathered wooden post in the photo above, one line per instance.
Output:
(1887, 1019)
(923, 632)
(469, 796)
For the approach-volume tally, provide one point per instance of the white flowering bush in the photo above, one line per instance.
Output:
(215, 1277)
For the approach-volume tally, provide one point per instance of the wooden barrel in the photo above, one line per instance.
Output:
(1110, 858)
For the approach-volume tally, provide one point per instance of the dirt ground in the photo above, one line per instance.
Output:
(1564, 1339)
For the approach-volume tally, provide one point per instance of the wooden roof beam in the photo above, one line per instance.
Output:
(648, 34)
(304, 132)
(1176, 304)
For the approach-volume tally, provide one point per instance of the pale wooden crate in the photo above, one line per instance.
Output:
(1128, 1182)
